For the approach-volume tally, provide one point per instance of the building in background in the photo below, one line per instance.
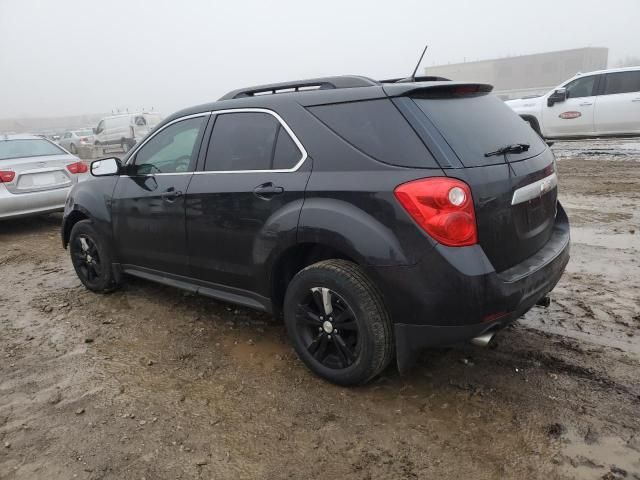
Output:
(525, 75)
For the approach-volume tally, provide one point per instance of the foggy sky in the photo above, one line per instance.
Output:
(70, 57)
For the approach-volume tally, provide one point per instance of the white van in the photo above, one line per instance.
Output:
(124, 130)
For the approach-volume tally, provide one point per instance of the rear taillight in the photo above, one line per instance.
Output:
(443, 207)
(7, 176)
(78, 167)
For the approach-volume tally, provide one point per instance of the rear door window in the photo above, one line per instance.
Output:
(476, 125)
(247, 141)
(622, 82)
(378, 129)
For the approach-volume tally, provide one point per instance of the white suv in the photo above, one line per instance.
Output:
(124, 130)
(602, 103)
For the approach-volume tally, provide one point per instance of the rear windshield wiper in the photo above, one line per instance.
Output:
(515, 148)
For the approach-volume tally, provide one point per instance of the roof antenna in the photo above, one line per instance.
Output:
(413, 75)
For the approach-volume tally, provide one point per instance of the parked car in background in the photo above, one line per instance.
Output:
(72, 140)
(124, 130)
(35, 175)
(594, 104)
(379, 218)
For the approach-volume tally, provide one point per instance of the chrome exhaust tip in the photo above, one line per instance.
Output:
(483, 340)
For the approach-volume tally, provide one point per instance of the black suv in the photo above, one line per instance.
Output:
(378, 218)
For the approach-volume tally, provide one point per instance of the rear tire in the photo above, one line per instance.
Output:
(337, 322)
(73, 149)
(92, 258)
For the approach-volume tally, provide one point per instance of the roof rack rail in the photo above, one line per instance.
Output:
(426, 78)
(323, 83)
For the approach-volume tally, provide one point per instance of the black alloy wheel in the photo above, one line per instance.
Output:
(337, 322)
(328, 328)
(86, 259)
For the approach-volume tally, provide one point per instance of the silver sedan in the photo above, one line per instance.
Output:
(35, 175)
(74, 140)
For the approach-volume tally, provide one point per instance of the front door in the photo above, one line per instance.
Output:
(148, 202)
(247, 198)
(574, 116)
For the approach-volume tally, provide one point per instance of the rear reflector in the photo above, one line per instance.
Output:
(443, 207)
(7, 176)
(78, 167)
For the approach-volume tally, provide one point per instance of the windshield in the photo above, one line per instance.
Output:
(27, 148)
(476, 125)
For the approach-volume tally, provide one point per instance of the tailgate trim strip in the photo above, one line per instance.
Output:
(535, 189)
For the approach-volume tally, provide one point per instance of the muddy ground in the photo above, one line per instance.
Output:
(153, 383)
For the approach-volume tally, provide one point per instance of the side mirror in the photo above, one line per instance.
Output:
(105, 167)
(559, 95)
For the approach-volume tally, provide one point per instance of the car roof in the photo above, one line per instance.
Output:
(330, 90)
(610, 70)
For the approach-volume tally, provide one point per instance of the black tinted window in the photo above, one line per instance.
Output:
(622, 82)
(476, 125)
(287, 154)
(378, 129)
(250, 141)
(581, 87)
(172, 150)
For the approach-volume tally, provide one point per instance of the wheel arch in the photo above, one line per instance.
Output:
(294, 259)
(69, 221)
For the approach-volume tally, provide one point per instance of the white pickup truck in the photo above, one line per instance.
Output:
(594, 104)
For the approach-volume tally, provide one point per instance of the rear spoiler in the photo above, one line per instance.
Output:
(441, 89)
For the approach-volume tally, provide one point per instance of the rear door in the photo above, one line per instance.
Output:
(574, 116)
(148, 202)
(254, 175)
(618, 106)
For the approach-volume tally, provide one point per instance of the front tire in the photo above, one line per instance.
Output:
(91, 258)
(337, 322)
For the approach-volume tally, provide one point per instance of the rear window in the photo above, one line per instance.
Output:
(378, 129)
(28, 148)
(476, 125)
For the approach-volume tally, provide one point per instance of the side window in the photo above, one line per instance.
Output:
(250, 141)
(172, 150)
(622, 82)
(286, 154)
(377, 128)
(581, 87)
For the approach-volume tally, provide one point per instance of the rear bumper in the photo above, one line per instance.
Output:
(35, 203)
(454, 294)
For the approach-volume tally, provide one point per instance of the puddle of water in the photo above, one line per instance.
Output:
(598, 238)
(588, 461)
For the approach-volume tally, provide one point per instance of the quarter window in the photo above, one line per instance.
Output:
(172, 150)
(581, 87)
(250, 141)
(622, 82)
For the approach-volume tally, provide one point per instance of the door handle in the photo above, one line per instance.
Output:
(586, 104)
(171, 194)
(267, 190)
(636, 100)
